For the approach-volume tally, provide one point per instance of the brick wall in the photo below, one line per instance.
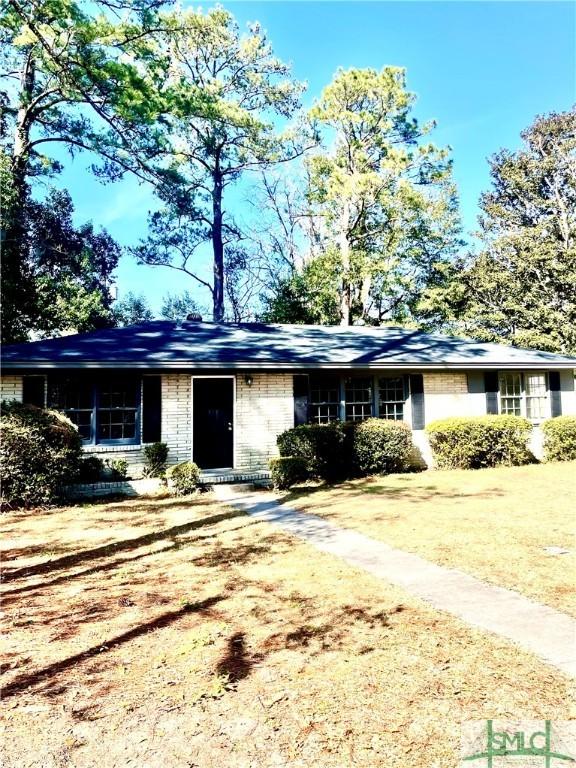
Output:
(446, 394)
(263, 411)
(11, 388)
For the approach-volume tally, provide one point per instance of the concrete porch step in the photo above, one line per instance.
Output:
(233, 477)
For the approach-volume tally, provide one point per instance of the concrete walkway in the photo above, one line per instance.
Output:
(549, 634)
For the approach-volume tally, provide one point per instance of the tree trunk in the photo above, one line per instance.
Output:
(217, 247)
(345, 293)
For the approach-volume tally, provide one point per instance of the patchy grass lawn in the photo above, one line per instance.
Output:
(492, 523)
(172, 633)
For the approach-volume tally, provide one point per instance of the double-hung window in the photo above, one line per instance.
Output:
(391, 397)
(524, 395)
(359, 399)
(105, 410)
(324, 403)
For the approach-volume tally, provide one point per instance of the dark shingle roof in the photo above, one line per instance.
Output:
(163, 344)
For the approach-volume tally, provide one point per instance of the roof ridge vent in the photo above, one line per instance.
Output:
(194, 317)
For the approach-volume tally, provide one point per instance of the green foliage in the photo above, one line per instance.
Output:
(287, 471)
(482, 441)
(179, 306)
(381, 446)
(520, 287)
(39, 452)
(132, 310)
(156, 457)
(321, 445)
(183, 478)
(382, 198)
(339, 450)
(116, 469)
(247, 91)
(91, 470)
(560, 438)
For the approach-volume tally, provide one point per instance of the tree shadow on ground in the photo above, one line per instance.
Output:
(37, 677)
(107, 550)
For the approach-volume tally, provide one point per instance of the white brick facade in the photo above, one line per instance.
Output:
(263, 411)
(265, 408)
(11, 388)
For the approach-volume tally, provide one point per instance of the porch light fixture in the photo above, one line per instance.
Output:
(249, 379)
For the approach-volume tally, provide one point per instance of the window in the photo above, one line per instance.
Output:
(358, 396)
(524, 395)
(75, 398)
(391, 398)
(105, 411)
(324, 405)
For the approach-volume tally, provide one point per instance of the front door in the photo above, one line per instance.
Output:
(213, 422)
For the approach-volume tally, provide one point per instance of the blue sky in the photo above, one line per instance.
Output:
(483, 70)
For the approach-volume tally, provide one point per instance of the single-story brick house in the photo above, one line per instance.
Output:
(220, 394)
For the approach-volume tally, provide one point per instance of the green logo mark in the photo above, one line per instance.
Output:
(520, 743)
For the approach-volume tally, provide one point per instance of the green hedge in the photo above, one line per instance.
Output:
(183, 478)
(40, 451)
(380, 446)
(482, 441)
(156, 457)
(287, 471)
(321, 445)
(337, 451)
(560, 438)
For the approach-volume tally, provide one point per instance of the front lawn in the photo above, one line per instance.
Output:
(175, 634)
(492, 523)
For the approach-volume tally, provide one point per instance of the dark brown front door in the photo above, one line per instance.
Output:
(213, 422)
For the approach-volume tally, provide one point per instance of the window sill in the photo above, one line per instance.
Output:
(103, 448)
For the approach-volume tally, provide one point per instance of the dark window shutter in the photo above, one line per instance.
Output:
(555, 393)
(417, 400)
(33, 390)
(300, 400)
(151, 409)
(475, 382)
(491, 386)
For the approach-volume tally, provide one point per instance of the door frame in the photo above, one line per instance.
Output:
(217, 376)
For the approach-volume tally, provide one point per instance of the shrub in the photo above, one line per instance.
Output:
(287, 471)
(117, 469)
(321, 445)
(380, 446)
(156, 458)
(39, 451)
(560, 438)
(91, 469)
(483, 441)
(183, 478)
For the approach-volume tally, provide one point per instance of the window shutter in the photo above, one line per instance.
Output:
(33, 388)
(151, 409)
(475, 382)
(417, 400)
(300, 400)
(491, 387)
(555, 393)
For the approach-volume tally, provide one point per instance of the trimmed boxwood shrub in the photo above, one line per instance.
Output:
(381, 446)
(183, 478)
(560, 438)
(482, 441)
(322, 445)
(287, 471)
(39, 452)
(339, 450)
(156, 457)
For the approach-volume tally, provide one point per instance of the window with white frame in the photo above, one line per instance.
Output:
(524, 395)
(324, 403)
(358, 396)
(391, 397)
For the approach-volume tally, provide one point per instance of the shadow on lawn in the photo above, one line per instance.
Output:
(38, 676)
(107, 550)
